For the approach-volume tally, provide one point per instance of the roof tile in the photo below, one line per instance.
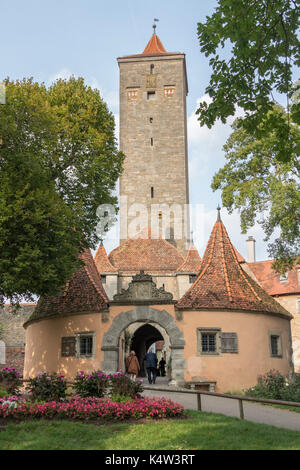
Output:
(223, 284)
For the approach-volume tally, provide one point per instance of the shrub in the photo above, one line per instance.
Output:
(120, 398)
(274, 385)
(10, 380)
(292, 391)
(47, 387)
(94, 384)
(123, 385)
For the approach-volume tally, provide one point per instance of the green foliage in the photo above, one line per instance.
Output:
(58, 162)
(47, 387)
(264, 189)
(10, 380)
(2, 329)
(123, 385)
(94, 384)
(264, 46)
(3, 392)
(117, 398)
(273, 385)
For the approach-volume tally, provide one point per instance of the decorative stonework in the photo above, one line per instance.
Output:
(143, 290)
(145, 314)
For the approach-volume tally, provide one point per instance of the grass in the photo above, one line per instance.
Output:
(202, 431)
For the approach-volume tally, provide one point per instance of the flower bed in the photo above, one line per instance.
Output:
(92, 409)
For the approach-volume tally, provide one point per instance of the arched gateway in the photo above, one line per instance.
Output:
(144, 314)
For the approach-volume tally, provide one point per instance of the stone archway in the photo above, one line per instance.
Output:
(145, 314)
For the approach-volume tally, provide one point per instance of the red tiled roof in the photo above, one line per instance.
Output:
(223, 284)
(102, 262)
(192, 261)
(270, 280)
(153, 255)
(240, 258)
(154, 46)
(84, 293)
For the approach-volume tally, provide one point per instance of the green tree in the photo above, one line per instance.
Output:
(265, 47)
(58, 162)
(264, 189)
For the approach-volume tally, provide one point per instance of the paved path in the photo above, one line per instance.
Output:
(230, 407)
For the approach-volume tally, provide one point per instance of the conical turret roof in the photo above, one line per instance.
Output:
(84, 293)
(102, 262)
(192, 261)
(154, 46)
(223, 284)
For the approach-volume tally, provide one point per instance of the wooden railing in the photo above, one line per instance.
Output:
(240, 398)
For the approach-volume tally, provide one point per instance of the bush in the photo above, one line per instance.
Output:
(10, 380)
(123, 385)
(120, 398)
(292, 391)
(46, 387)
(273, 385)
(91, 385)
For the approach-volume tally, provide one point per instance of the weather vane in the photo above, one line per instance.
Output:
(154, 26)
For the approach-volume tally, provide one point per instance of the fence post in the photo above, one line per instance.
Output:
(241, 408)
(199, 401)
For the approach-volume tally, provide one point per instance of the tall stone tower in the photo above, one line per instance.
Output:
(153, 136)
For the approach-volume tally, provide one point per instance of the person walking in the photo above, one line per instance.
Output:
(162, 364)
(151, 366)
(132, 365)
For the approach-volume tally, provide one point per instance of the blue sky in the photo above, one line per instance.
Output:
(56, 38)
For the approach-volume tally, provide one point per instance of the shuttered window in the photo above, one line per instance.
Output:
(229, 343)
(68, 346)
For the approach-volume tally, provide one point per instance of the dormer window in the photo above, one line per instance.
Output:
(283, 277)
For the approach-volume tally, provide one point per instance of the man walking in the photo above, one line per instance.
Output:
(151, 366)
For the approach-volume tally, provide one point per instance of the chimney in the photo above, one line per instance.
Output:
(251, 249)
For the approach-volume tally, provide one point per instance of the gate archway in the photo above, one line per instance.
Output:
(145, 314)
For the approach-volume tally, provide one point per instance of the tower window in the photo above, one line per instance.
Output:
(275, 345)
(152, 192)
(150, 95)
(151, 120)
(151, 141)
(151, 68)
(160, 215)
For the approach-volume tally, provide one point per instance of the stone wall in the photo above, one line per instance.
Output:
(13, 334)
(153, 136)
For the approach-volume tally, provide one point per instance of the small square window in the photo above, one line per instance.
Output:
(150, 95)
(85, 345)
(209, 341)
(103, 279)
(192, 278)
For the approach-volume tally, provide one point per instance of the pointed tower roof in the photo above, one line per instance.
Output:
(102, 262)
(83, 293)
(154, 46)
(192, 261)
(223, 284)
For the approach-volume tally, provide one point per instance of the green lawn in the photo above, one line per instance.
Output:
(201, 431)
